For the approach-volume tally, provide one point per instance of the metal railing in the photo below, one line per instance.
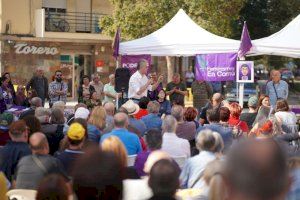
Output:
(73, 22)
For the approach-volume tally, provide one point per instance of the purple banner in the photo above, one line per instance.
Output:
(216, 67)
(131, 61)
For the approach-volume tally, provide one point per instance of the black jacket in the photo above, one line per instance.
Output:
(33, 83)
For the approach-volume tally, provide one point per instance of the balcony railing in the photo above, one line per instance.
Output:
(73, 22)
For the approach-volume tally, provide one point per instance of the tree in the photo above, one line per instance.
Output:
(217, 16)
(138, 18)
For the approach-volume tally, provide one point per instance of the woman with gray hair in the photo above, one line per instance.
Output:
(209, 144)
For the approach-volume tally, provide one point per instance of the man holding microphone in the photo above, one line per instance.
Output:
(139, 84)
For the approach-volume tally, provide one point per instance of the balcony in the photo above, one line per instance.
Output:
(68, 25)
(73, 22)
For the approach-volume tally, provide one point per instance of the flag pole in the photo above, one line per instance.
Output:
(245, 47)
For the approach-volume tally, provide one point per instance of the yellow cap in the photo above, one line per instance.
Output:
(76, 131)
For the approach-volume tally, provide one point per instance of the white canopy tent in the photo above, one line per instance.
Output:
(286, 42)
(181, 36)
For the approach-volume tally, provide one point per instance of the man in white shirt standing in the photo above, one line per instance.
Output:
(139, 84)
(172, 144)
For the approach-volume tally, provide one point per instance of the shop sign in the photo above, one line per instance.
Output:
(23, 48)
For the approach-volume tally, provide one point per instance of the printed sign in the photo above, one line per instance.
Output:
(216, 67)
(131, 61)
(245, 71)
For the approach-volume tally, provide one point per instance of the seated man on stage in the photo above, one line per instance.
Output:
(139, 84)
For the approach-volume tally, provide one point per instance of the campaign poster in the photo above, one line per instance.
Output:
(216, 67)
(131, 62)
(245, 71)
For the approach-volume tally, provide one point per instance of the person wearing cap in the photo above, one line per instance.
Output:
(76, 138)
(250, 116)
(5, 120)
(132, 109)
(82, 112)
(130, 140)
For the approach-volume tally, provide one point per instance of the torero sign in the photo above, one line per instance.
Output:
(24, 48)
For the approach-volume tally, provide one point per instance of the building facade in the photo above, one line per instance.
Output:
(55, 34)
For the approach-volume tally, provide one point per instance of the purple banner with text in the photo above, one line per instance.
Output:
(216, 67)
(131, 61)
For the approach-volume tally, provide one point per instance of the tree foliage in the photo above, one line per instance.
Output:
(138, 18)
(217, 16)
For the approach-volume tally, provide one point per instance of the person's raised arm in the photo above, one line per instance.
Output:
(155, 85)
(144, 87)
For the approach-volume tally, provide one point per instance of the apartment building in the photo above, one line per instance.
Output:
(55, 34)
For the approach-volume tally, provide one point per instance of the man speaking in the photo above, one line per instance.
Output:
(139, 84)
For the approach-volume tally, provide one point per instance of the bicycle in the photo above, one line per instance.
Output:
(56, 24)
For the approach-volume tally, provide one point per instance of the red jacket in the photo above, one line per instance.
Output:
(236, 121)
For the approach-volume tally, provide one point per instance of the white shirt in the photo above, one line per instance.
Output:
(287, 118)
(136, 189)
(175, 146)
(136, 81)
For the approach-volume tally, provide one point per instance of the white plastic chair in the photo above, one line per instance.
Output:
(180, 160)
(20, 194)
(131, 160)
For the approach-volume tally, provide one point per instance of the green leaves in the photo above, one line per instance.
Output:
(138, 18)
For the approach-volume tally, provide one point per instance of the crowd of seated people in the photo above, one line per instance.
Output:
(142, 151)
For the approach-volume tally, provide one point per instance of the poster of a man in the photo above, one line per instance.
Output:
(245, 72)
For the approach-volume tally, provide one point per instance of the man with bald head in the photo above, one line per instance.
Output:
(176, 90)
(34, 103)
(33, 168)
(216, 103)
(130, 140)
(277, 88)
(39, 83)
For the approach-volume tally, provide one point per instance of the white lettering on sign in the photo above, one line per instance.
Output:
(23, 48)
(130, 65)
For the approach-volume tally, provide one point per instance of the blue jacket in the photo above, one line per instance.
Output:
(225, 132)
(152, 121)
(165, 108)
(94, 134)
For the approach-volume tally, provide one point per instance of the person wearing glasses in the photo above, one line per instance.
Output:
(57, 89)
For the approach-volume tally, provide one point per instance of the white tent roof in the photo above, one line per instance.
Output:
(181, 36)
(286, 42)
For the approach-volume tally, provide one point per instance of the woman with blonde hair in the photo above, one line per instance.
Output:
(114, 145)
(96, 123)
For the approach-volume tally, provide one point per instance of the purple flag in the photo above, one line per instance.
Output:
(216, 67)
(246, 43)
(131, 62)
(116, 44)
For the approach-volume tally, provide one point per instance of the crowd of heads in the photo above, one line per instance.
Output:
(235, 158)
